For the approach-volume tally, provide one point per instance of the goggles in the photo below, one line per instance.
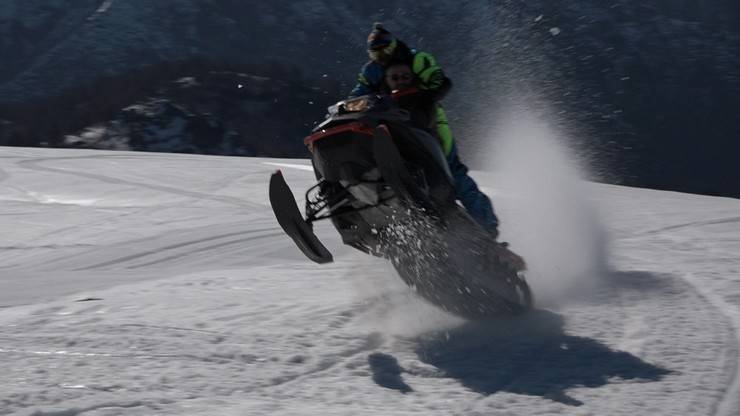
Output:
(400, 77)
(378, 54)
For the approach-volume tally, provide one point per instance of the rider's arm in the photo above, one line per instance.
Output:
(431, 76)
(369, 80)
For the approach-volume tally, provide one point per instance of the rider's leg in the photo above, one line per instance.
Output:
(475, 202)
(466, 191)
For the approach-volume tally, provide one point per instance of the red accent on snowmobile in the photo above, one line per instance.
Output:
(354, 127)
(402, 93)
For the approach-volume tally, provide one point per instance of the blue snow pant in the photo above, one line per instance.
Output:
(466, 191)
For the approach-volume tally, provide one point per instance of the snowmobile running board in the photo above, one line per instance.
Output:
(290, 219)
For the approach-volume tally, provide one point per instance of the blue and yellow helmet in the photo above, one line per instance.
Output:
(380, 43)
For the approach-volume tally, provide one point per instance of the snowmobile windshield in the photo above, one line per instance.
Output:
(356, 104)
(365, 103)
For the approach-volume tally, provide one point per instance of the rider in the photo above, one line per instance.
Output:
(400, 82)
(384, 50)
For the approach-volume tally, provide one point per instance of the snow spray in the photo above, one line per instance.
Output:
(544, 205)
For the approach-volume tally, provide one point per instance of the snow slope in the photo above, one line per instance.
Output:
(139, 284)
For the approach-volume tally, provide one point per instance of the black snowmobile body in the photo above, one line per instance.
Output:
(387, 188)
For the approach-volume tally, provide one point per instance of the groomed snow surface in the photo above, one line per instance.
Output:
(142, 284)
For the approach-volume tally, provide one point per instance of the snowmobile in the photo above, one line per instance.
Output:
(386, 186)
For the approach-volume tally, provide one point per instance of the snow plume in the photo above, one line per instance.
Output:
(544, 206)
(399, 307)
(394, 309)
(448, 265)
(104, 6)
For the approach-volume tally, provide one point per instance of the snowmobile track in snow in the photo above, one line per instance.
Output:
(695, 342)
(177, 253)
(35, 164)
(716, 221)
(729, 405)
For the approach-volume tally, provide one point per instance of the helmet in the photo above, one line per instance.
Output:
(380, 43)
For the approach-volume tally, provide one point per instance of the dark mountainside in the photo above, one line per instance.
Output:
(194, 106)
(649, 91)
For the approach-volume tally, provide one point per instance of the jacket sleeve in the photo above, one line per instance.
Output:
(431, 76)
(369, 80)
(438, 94)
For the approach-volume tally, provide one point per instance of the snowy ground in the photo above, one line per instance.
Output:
(144, 284)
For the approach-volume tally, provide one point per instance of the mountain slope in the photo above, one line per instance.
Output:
(143, 283)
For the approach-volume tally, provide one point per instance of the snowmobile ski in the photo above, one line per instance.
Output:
(290, 219)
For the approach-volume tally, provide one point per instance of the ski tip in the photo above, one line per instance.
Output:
(277, 176)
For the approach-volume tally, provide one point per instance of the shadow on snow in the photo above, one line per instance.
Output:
(387, 372)
(529, 355)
